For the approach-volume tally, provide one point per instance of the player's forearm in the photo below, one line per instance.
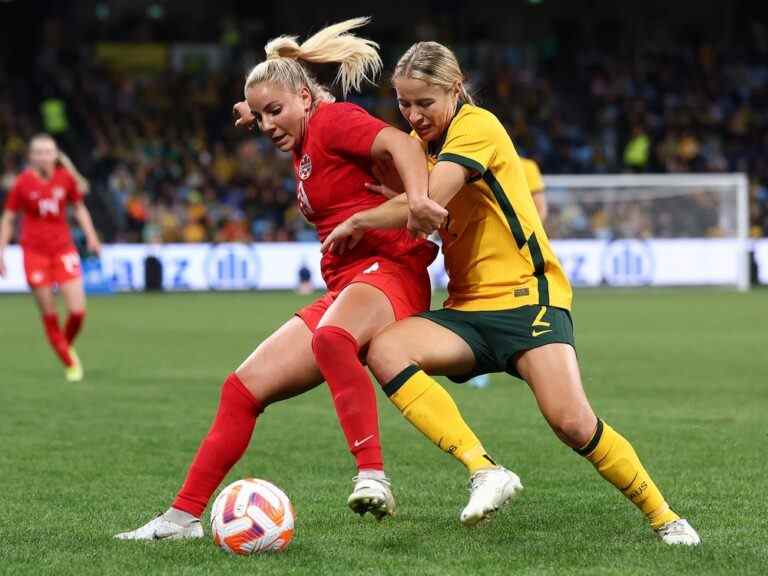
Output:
(412, 167)
(83, 218)
(409, 161)
(391, 214)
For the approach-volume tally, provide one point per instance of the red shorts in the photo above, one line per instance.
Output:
(55, 268)
(405, 283)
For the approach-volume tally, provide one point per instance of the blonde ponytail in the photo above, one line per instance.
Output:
(358, 59)
(82, 183)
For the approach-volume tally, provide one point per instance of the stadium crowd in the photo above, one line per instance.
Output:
(166, 165)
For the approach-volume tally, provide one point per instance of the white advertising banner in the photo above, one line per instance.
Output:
(269, 266)
(761, 257)
(274, 266)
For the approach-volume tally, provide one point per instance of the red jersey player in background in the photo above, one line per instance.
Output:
(41, 195)
(383, 279)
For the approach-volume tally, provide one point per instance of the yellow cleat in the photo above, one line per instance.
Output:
(74, 373)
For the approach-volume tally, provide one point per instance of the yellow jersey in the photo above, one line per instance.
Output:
(497, 254)
(532, 175)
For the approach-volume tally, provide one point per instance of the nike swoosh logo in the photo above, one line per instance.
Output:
(363, 441)
(539, 333)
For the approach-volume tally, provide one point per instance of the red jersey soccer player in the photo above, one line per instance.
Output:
(383, 279)
(41, 194)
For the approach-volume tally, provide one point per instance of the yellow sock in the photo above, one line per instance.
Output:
(427, 405)
(617, 462)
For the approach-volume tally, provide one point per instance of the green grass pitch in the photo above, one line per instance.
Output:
(682, 373)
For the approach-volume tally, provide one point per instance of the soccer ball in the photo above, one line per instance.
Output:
(251, 516)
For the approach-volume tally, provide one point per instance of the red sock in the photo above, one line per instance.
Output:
(56, 338)
(335, 352)
(74, 323)
(225, 443)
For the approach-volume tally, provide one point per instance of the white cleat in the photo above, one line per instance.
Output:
(678, 532)
(161, 529)
(372, 495)
(489, 489)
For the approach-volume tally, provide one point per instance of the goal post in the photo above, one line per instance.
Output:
(651, 229)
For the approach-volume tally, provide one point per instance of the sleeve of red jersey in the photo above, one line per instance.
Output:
(13, 202)
(349, 130)
(73, 192)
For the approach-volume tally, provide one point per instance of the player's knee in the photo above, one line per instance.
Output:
(574, 427)
(323, 342)
(254, 378)
(386, 354)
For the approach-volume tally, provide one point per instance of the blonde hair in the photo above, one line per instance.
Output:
(358, 60)
(434, 64)
(42, 137)
(80, 180)
(63, 160)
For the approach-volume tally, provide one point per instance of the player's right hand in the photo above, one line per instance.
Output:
(243, 116)
(2, 266)
(425, 217)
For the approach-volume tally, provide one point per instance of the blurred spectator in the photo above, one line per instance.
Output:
(305, 285)
(636, 153)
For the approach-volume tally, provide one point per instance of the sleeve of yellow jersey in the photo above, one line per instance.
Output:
(533, 175)
(471, 142)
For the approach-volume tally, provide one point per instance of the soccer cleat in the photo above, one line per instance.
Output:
(161, 529)
(678, 532)
(372, 495)
(489, 490)
(74, 373)
(481, 381)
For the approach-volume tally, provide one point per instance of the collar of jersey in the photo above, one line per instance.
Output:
(434, 148)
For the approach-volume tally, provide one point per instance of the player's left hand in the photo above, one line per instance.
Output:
(343, 238)
(243, 116)
(94, 246)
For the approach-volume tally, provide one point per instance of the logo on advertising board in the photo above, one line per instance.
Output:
(628, 263)
(232, 267)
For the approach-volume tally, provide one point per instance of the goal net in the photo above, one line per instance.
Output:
(650, 230)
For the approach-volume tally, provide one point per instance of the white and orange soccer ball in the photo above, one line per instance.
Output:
(251, 516)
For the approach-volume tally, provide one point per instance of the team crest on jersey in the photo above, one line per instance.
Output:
(305, 167)
(59, 193)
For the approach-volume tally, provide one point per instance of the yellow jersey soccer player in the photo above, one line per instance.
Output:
(509, 299)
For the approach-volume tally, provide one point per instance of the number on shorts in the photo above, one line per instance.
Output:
(71, 262)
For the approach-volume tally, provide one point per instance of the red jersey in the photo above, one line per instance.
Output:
(331, 169)
(43, 203)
